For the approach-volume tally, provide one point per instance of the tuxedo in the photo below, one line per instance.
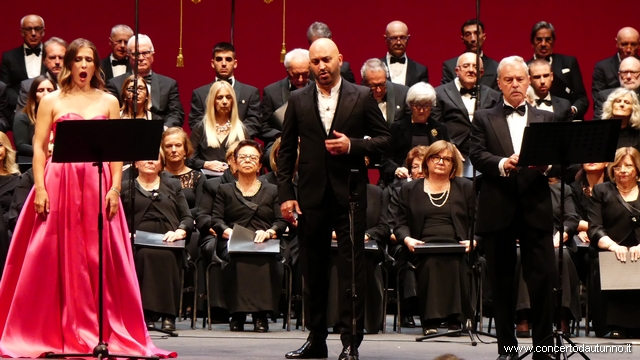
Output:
(273, 97)
(14, 70)
(107, 69)
(396, 99)
(6, 115)
(323, 194)
(510, 208)
(415, 72)
(567, 83)
(247, 97)
(561, 109)
(346, 73)
(451, 111)
(165, 98)
(489, 77)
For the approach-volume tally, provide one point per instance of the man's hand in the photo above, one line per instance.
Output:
(339, 145)
(511, 163)
(402, 172)
(411, 243)
(288, 209)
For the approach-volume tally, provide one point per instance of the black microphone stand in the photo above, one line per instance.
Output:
(353, 204)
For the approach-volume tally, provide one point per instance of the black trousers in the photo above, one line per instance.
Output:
(539, 272)
(315, 227)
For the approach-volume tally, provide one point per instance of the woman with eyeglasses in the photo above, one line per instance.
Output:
(252, 283)
(415, 129)
(24, 123)
(613, 226)
(143, 103)
(623, 104)
(438, 209)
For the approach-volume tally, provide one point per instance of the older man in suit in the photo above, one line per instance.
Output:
(456, 101)
(605, 73)
(329, 122)
(567, 78)
(541, 81)
(514, 204)
(391, 97)
(402, 70)
(117, 63)
(165, 98)
(473, 36)
(628, 78)
(223, 61)
(25, 61)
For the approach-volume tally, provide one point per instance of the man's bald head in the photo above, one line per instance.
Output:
(397, 36)
(325, 61)
(629, 72)
(627, 42)
(466, 69)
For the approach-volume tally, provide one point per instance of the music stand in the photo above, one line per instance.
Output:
(564, 144)
(117, 140)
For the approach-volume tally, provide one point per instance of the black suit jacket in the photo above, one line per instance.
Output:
(412, 214)
(567, 83)
(356, 115)
(451, 112)
(165, 97)
(377, 224)
(247, 96)
(397, 107)
(415, 72)
(608, 216)
(6, 114)
(13, 71)
(489, 78)
(526, 190)
(107, 70)
(561, 109)
(273, 97)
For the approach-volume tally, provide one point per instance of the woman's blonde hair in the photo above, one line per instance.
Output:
(435, 149)
(10, 164)
(65, 80)
(620, 154)
(236, 133)
(607, 108)
(127, 111)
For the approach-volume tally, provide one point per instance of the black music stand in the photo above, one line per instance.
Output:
(99, 141)
(564, 144)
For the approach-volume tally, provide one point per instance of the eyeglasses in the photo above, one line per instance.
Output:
(618, 168)
(447, 160)
(251, 158)
(34, 28)
(466, 66)
(143, 54)
(121, 41)
(422, 107)
(398, 38)
(378, 86)
(631, 73)
(141, 88)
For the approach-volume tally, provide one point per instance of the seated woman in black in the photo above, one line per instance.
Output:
(9, 179)
(615, 207)
(438, 208)
(624, 104)
(252, 283)
(24, 122)
(160, 207)
(417, 128)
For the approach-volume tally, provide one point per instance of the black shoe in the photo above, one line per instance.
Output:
(235, 325)
(169, 323)
(345, 354)
(408, 322)
(261, 325)
(309, 350)
(150, 324)
(507, 357)
(618, 334)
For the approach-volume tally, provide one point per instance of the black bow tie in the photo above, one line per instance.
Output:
(400, 60)
(508, 110)
(122, 61)
(29, 51)
(227, 80)
(543, 101)
(148, 79)
(464, 91)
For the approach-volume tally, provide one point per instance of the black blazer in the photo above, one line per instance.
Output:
(608, 216)
(401, 142)
(356, 115)
(14, 70)
(262, 212)
(415, 72)
(273, 97)
(561, 109)
(171, 203)
(165, 97)
(397, 107)
(202, 152)
(489, 78)
(247, 96)
(377, 225)
(23, 131)
(411, 214)
(451, 112)
(605, 75)
(107, 69)
(6, 114)
(526, 189)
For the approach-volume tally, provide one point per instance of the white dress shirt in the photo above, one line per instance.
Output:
(397, 71)
(469, 102)
(382, 105)
(543, 106)
(33, 63)
(516, 123)
(118, 69)
(327, 105)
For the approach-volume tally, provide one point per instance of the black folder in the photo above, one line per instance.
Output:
(241, 242)
(439, 248)
(144, 238)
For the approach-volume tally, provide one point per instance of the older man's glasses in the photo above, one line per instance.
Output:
(625, 73)
(37, 29)
(249, 158)
(143, 54)
(398, 38)
(447, 160)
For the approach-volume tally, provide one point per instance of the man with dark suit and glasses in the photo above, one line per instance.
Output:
(117, 63)
(25, 61)
(223, 61)
(605, 73)
(329, 121)
(391, 97)
(514, 205)
(541, 81)
(165, 98)
(402, 70)
(628, 78)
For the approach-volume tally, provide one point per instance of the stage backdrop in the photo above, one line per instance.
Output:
(585, 28)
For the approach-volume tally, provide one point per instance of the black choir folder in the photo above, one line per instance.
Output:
(241, 242)
(370, 245)
(144, 238)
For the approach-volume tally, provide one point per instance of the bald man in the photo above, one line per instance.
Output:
(605, 73)
(628, 78)
(329, 120)
(402, 70)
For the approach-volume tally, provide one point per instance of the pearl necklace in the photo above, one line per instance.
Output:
(221, 129)
(149, 186)
(444, 195)
(248, 192)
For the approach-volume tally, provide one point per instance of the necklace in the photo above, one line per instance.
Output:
(626, 191)
(444, 195)
(149, 186)
(248, 192)
(221, 129)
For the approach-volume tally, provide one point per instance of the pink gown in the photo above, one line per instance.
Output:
(49, 289)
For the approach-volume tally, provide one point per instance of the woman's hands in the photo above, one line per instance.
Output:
(111, 199)
(402, 173)
(42, 201)
(172, 236)
(411, 243)
(262, 235)
(215, 165)
(467, 245)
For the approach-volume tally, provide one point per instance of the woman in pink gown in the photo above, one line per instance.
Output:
(49, 289)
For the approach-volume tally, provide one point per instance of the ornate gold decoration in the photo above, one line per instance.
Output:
(180, 60)
(434, 132)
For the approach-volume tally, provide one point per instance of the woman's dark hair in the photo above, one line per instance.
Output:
(250, 143)
(31, 108)
(128, 110)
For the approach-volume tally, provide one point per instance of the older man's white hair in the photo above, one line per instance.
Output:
(421, 93)
(373, 64)
(25, 17)
(144, 39)
(295, 54)
(121, 27)
(513, 61)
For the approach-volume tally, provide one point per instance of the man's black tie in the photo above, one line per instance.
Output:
(122, 61)
(400, 60)
(148, 79)
(508, 110)
(464, 91)
(543, 101)
(227, 80)
(30, 51)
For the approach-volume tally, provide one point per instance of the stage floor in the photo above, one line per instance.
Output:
(222, 344)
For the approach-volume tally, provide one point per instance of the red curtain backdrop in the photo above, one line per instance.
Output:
(585, 28)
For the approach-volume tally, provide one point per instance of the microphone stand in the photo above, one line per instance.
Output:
(353, 204)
